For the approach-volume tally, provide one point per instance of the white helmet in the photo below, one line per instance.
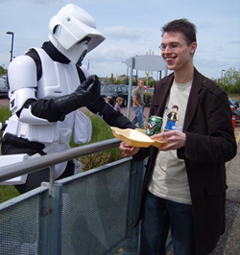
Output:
(73, 32)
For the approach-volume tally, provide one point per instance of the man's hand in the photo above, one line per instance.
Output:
(127, 150)
(174, 139)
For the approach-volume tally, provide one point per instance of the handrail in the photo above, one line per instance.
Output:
(37, 163)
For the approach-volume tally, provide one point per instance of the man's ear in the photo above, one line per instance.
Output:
(193, 47)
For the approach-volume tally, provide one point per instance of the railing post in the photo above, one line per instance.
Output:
(44, 222)
(55, 219)
(131, 247)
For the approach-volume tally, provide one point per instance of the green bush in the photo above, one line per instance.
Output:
(147, 97)
(4, 115)
(100, 132)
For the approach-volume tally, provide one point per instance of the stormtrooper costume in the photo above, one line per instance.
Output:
(48, 85)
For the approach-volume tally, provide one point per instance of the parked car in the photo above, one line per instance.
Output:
(3, 87)
(150, 90)
(114, 91)
(234, 109)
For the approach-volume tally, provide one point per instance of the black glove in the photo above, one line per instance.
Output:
(85, 94)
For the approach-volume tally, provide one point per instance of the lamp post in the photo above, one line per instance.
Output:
(223, 72)
(11, 51)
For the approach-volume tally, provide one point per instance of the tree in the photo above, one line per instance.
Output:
(2, 71)
(112, 79)
(231, 81)
(232, 77)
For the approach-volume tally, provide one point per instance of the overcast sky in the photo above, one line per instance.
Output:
(131, 28)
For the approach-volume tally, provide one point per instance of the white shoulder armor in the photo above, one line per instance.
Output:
(22, 73)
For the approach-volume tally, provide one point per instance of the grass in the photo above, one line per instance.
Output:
(7, 192)
(100, 132)
(4, 114)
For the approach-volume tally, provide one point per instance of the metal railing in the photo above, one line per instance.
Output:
(38, 163)
(93, 212)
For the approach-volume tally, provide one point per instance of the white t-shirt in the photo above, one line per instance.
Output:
(169, 179)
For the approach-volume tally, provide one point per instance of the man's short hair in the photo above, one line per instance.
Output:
(188, 29)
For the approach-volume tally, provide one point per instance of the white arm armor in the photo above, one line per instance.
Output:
(26, 116)
(19, 97)
(22, 76)
(17, 100)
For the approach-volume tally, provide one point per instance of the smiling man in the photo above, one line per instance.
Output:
(185, 181)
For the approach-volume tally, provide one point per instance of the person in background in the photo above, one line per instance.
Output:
(117, 106)
(48, 85)
(184, 188)
(236, 103)
(138, 104)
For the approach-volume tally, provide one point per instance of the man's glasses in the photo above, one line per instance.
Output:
(171, 46)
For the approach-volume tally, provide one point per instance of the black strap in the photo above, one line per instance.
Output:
(34, 55)
(81, 74)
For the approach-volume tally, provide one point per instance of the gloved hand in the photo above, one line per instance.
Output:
(85, 94)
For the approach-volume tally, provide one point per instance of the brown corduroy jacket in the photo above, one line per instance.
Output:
(210, 142)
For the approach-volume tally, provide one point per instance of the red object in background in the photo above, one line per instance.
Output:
(233, 122)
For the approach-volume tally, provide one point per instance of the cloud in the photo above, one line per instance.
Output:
(109, 53)
(235, 42)
(205, 25)
(121, 33)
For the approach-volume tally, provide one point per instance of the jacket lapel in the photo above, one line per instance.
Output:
(193, 99)
(163, 95)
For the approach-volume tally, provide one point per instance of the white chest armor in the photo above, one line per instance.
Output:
(57, 79)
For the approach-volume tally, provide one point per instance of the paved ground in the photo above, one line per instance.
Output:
(4, 101)
(229, 243)
(132, 114)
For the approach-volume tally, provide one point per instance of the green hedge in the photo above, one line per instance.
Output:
(147, 97)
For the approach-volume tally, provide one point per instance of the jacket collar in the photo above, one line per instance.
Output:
(193, 99)
(165, 91)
